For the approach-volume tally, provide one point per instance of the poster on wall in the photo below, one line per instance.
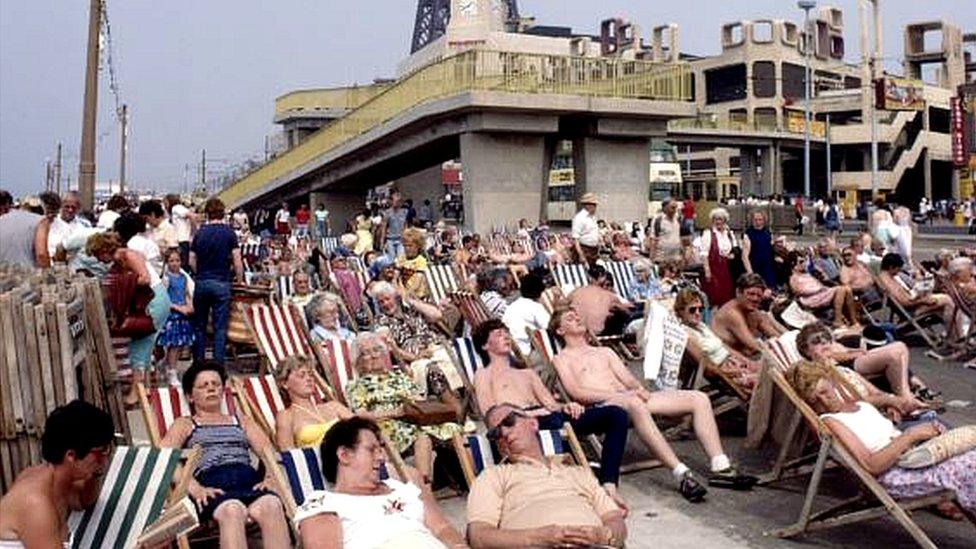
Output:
(899, 94)
(957, 129)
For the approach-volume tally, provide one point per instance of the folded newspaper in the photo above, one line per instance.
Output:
(179, 519)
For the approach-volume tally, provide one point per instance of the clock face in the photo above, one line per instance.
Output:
(468, 8)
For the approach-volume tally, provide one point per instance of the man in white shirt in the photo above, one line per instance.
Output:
(526, 312)
(322, 221)
(182, 219)
(158, 229)
(283, 220)
(67, 223)
(664, 233)
(586, 232)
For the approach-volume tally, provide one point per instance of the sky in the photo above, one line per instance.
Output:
(203, 74)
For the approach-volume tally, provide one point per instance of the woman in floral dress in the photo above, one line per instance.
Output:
(379, 393)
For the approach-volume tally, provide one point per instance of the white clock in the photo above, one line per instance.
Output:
(468, 8)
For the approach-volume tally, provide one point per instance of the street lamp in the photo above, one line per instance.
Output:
(806, 6)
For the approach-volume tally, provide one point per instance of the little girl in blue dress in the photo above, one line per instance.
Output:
(177, 334)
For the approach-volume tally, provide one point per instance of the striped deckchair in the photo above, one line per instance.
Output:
(336, 357)
(278, 330)
(472, 308)
(551, 297)
(132, 497)
(476, 453)
(623, 276)
(329, 244)
(162, 405)
(570, 276)
(284, 287)
(467, 356)
(440, 281)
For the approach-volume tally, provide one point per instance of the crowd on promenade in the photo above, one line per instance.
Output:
(560, 322)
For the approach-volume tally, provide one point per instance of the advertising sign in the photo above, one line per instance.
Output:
(899, 94)
(958, 132)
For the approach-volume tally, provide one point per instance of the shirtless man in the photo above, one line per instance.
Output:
(855, 274)
(603, 312)
(597, 376)
(501, 381)
(740, 322)
(75, 446)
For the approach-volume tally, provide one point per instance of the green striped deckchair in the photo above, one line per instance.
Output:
(133, 496)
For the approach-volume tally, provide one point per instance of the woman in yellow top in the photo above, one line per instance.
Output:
(413, 263)
(304, 422)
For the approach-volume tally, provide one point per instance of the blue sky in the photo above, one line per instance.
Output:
(204, 73)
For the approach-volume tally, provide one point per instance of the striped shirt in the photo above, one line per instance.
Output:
(220, 444)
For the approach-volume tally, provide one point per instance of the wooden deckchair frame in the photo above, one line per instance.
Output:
(835, 515)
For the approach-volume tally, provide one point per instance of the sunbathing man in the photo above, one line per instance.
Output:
(75, 446)
(502, 380)
(532, 500)
(604, 312)
(597, 376)
(740, 322)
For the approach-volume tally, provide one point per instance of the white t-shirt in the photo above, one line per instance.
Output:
(107, 219)
(524, 313)
(321, 215)
(282, 216)
(585, 229)
(368, 522)
(62, 230)
(181, 222)
(145, 245)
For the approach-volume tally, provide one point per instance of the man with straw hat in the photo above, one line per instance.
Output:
(586, 233)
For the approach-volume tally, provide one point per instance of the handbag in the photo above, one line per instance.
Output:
(135, 326)
(428, 412)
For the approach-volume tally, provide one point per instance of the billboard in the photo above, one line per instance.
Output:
(958, 132)
(899, 94)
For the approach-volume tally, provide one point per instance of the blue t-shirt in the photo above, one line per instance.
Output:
(213, 245)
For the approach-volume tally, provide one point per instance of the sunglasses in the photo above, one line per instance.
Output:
(820, 339)
(694, 310)
(495, 432)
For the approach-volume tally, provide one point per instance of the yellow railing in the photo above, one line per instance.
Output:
(817, 128)
(479, 70)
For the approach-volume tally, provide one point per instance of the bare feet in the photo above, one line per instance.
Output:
(617, 498)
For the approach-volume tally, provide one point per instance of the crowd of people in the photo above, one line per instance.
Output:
(170, 270)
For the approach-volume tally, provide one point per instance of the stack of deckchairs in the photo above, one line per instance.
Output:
(54, 348)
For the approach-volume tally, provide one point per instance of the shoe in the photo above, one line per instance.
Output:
(691, 489)
(731, 478)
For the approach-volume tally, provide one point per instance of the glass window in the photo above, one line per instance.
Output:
(725, 84)
(764, 79)
(794, 77)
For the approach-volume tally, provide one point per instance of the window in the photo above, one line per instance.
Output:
(764, 79)
(725, 84)
(562, 193)
(794, 77)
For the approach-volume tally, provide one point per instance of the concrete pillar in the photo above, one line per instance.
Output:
(343, 207)
(503, 178)
(616, 170)
(748, 171)
(767, 161)
(777, 169)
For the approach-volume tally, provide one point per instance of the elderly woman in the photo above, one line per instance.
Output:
(872, 438)
(106, 248)
(813, 294)
(757, 249)
(703, 344)
(360, 510)
(302, 290)
(224, 485)
(918, 304)
(379, 393)
(306, 420)
(716, 254)
(326, 326)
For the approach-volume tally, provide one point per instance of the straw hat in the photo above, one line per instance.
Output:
(589, 198)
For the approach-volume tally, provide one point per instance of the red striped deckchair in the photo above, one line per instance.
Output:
(260, 398)
(472, 309)
(440, 281)
(132, 497)
(336, 356)
(278, 330)
(162, 405)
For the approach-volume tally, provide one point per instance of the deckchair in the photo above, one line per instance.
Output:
(908, 322)
(477, 453)
(551, 297)
(284, 287)
(329, 244)
(279, 331)
(336, 357)
(622, 273)
(840, 514)
(570, 276)
(440, 281)
(547, 347)
(472, 309)
(162, 405)
(260, 399)
(133, 496)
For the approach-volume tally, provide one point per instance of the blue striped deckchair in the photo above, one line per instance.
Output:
(476, 453)
(329, 244)
(468, 357)
(440, 281)
(132, 497)
(570, 276)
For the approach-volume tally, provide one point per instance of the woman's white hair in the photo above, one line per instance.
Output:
(326, 298)
(382, 288)
(960, 264)
(718, 213)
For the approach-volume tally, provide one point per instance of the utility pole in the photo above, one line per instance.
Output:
(48, 176)
(806, 6)
(124, 120)
(86, 166)
(203, 170)
(186, 171)
(57, 171)
(830, 175)
(874, 137)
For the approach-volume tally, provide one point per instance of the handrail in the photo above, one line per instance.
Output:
(479, 70)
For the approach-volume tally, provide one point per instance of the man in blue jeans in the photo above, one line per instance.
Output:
(213, 253)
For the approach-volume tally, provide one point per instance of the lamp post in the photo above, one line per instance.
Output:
(806, 6)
